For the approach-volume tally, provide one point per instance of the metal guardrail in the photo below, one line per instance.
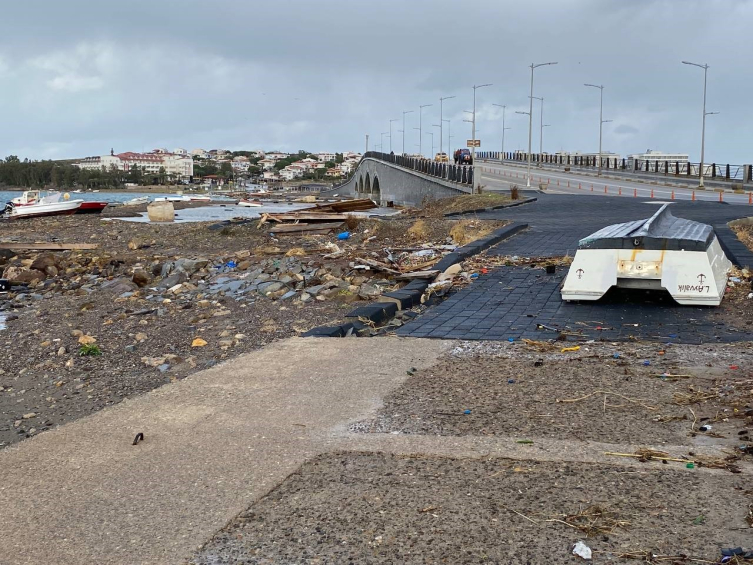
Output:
(739, 173)
(453, 173)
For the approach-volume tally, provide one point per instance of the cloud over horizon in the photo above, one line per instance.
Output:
(79, 77)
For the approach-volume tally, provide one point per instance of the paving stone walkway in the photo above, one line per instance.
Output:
(515, 302)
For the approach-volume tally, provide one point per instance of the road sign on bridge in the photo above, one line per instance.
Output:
(473, 143)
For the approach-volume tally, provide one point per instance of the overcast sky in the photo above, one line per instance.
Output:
(78, 77)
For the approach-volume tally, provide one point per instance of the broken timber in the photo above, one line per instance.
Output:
(43, 246)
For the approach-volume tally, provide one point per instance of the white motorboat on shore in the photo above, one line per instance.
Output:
(49, 205)
(138, 201)
(249, 203)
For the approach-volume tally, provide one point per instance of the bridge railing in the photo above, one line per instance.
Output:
(459, 174)
(739, 173)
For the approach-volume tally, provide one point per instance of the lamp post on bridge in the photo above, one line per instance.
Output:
(476, 180)
(442, 120)
(449, 137)
(502, 155)
(541, 126)
(395, 120)
(705, 68)
(431, 133)
(530, 120)
(602, 121)
(403, 130)
(420, 128)
(381, 139)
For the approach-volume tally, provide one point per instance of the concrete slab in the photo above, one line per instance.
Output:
(214, 443)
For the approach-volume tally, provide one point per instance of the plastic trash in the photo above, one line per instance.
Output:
(616, 355)
(704, 428)
(466, 411)
(646, 363)
(474, 276)
(582, 550)
(511, 381)
(511, 339)
(566, 349)
(538, 363)
(690, 465)
(734, 367)
(343, 235)
(231, 264)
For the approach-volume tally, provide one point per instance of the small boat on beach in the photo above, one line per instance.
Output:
(249, 203)
(91, 207)
(138, 201)
(49, 205)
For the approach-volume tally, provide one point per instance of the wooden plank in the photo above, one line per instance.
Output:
(378, 265)
(43, 246)
(418, 275)
(303, 227)
(310, 218)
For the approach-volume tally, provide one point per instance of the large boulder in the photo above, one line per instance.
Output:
(120, 285)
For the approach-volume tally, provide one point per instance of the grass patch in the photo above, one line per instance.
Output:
(465, 203)
(90, 350)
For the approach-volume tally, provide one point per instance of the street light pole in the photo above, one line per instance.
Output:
(405, 112)
(502, 154)
(449, 147)
(431, 133)
(601, 118)
(395, 120)
(705, 113)
(530, 121)
(420, 128)
(473, 137)
(442, 120)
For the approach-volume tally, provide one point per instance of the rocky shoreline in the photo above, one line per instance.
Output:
(155, 303)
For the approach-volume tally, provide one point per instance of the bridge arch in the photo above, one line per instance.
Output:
(367, 188)
(359, 184)
(376, 192)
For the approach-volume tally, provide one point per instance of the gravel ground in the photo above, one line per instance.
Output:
(376, 508)
(508, 394)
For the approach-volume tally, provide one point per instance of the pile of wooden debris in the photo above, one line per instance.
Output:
(320, 219)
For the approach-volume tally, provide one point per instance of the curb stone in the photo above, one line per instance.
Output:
(410, 295)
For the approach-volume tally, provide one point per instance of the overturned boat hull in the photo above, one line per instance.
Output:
(663, 252)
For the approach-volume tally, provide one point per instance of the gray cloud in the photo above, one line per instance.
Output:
(80, 76)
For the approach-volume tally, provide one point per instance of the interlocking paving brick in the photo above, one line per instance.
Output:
(509, 302)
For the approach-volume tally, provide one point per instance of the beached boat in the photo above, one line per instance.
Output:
(27, 198)
(138, 201)
(47, 206)
(249, 203)
(200, 198)
(91, 207)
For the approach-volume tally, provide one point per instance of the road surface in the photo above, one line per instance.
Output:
(499, 176)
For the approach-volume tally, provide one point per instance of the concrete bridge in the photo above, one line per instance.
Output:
(393, 179)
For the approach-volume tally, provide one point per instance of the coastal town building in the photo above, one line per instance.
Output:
(200, 153)
(654, 156)
(175, 166)
(326, 157)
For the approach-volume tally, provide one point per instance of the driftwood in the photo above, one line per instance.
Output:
(43, 246)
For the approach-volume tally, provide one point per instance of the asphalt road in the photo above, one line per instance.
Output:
(500, 176)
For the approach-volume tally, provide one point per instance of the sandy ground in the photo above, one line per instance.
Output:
(376, 508)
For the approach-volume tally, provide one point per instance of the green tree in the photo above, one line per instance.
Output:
(339, 158)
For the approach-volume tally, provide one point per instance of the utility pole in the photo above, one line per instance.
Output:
(367, 143)
(440, 122)
(705, 113)
(405, 112)
(502, 156)
(395, 120)
(420, 128)
(530, 120)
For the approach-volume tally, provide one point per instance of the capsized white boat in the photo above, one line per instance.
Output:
(136, 201)
(48, 206)
(249, 203)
